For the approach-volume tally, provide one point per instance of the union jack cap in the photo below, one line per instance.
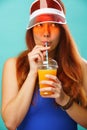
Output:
(42, 11)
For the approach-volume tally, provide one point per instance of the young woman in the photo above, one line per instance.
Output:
(22, 106)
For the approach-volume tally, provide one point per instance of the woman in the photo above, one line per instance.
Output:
(22, 106)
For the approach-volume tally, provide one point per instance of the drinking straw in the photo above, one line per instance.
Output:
(46, 44)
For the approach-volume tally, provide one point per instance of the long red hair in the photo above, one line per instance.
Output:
(69, 62)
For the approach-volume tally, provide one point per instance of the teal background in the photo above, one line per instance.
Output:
(14, 16)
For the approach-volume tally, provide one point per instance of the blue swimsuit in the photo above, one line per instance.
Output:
(44, 114)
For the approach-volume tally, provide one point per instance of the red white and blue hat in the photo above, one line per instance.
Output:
(42, 11)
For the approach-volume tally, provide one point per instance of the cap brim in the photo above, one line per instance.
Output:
(43, 18)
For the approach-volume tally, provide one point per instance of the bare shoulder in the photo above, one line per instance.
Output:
(84, 67)
(84, 60)
(84, 70)
(10, 62)
(84, 63)
(9, 69)
(9, 73)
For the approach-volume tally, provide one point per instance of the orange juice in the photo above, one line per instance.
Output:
(41, 74)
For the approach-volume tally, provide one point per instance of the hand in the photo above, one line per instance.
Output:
(37, 54)
(56, 88)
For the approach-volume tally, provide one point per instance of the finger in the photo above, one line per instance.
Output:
(47, 90)
(52, 95)
(36, 55)
(51, 83)
(41, 48)
(52, 77)
(40, 54)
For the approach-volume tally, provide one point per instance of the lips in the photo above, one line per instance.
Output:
(46, 43)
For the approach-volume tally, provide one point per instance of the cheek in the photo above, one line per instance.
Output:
(56, 35)
(36, 36)
(55, 38)
(37, 31)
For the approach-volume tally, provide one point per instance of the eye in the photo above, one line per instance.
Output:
(54, 24)
(39, 25)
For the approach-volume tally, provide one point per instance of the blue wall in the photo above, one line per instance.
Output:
(14, 16)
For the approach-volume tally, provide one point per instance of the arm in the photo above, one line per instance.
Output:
(79, 114)
(15, 102)
(76, 112)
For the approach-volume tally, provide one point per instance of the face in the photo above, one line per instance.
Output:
(47, 32)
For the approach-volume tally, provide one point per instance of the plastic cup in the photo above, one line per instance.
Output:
(46, 67)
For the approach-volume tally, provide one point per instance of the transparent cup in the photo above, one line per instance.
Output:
(46, 67)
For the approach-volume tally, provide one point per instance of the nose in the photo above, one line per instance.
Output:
(46, 32)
